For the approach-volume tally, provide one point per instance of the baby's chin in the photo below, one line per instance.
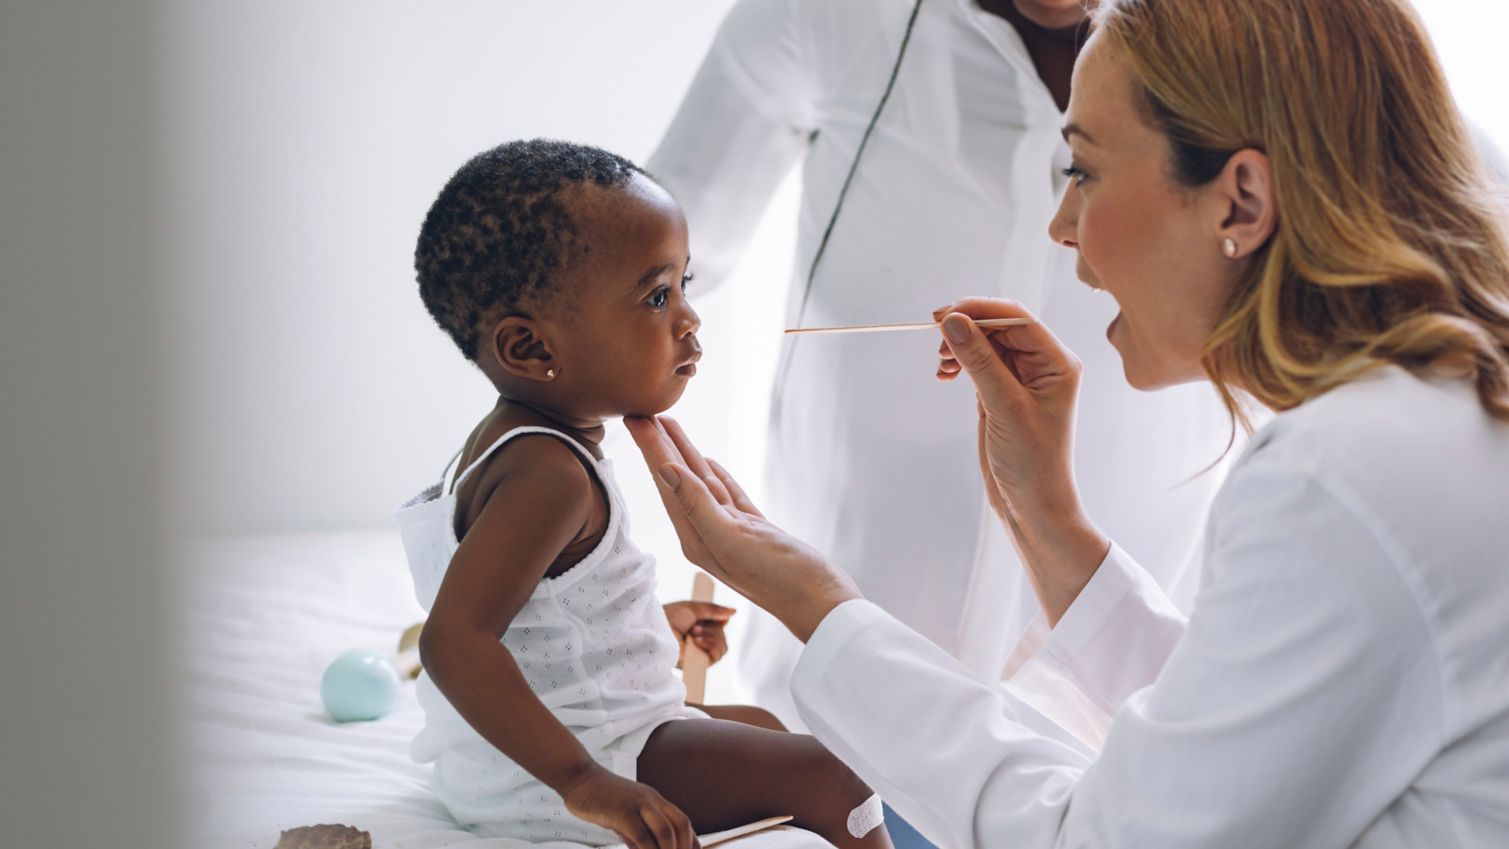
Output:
(659, 404)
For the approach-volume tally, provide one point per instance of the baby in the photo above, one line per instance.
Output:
(552, 712)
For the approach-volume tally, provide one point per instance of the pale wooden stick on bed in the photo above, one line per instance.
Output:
(717, 837)
(694, 661)
(927, 325)
(723, 836)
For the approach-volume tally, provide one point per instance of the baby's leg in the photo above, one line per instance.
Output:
(722, 774)
(747, 714)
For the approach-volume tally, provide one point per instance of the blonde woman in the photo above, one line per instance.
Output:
(1282, 199)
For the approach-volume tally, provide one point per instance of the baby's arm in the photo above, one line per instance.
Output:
(539, 506)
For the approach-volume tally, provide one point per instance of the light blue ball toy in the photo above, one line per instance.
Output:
(359, 685)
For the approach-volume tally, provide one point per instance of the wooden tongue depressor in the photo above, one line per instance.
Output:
(881, 328)
(723, 836)
(694, 661)
(726, 835)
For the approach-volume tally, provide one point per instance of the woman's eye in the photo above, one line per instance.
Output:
(1076, 174)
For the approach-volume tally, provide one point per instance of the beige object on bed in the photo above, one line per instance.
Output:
(324, 837)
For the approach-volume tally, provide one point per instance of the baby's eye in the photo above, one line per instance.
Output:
(686, 280)
(659, 297)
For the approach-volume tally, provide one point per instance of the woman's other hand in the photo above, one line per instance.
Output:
(703, 621)
(1027, 385)
(724, 533)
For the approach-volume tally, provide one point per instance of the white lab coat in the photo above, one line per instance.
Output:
(871, 460)
(1342, 681)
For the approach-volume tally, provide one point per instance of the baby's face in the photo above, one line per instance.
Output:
(626, 337)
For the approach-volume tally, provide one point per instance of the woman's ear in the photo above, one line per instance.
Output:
(1248, 204)
(518, 348)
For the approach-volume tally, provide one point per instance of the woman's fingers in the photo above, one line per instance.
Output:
(736, 545)
(948, 367)
(694, 459)
(691, 499)
(1006, 364)
(985, 308)
(994, 381)
(661, 456)
(1032, 338)
(700, 521)
(663, 442)
(740, 497)
(654, 444)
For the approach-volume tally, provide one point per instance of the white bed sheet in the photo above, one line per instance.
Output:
(262, 616)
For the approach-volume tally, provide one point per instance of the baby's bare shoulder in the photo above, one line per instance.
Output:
(538, 465)
(533, 486)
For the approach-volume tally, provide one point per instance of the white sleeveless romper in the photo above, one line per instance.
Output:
(594, 645)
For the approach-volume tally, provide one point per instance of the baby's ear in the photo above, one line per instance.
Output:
(518, 349)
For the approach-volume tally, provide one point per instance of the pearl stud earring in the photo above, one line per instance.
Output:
(550, 374)
(1229, 247)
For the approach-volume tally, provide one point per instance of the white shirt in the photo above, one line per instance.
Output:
(1342, 681)
(872, 460)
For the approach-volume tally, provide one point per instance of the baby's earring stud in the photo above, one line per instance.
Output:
(550, 374)
(1229, 247)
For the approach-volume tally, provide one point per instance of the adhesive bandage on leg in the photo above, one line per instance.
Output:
(864, 819)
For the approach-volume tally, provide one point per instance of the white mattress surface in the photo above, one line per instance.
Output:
(262, 616)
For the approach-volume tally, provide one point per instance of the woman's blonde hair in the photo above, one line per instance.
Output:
(1391, 243)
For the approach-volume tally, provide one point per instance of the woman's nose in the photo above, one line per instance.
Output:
(1064, 227)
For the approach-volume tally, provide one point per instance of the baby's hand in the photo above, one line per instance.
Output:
(702, 621)
(641, 818)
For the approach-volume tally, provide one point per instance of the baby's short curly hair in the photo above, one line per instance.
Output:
(500, 231)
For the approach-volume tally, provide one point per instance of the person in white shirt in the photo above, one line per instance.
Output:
(1303, 222)
(869, 460)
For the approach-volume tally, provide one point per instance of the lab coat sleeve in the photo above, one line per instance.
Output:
(743, 124)
(1111, 642)
(1302, 698)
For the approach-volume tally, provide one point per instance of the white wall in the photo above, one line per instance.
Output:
(1469, 37)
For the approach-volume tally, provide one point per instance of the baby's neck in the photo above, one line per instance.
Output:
(516, 412)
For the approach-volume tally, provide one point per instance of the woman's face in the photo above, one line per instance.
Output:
(1150, 243)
